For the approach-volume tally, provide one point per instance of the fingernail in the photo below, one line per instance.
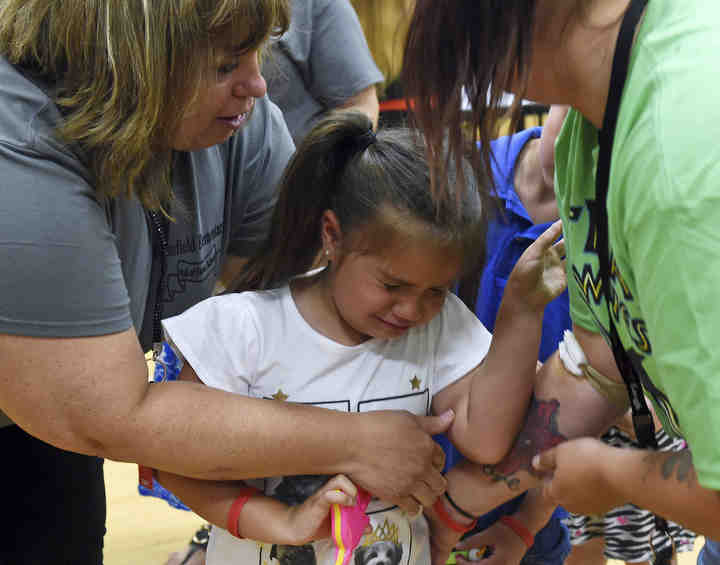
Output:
(536, 461)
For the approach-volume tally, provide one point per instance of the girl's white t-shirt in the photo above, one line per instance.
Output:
(258, 344)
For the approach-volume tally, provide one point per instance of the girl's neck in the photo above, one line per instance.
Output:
(315, 305)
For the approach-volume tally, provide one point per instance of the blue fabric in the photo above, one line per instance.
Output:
(159, 491)
(507, 239)
(508, 236)
(710, 553)
(552, 544)
(167, 368)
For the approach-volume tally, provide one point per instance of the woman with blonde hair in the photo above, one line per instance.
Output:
(139, 155)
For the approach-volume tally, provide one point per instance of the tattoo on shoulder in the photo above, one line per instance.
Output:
(679, 464)
(540, 432)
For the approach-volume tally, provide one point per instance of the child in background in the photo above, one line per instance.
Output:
(376, 329)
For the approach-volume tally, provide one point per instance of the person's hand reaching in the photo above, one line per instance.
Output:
(574, 476)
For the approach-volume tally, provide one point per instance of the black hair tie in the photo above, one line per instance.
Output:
(351, 146)
(365, 140)
(457, 507)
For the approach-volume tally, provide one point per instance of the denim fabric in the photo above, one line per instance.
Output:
(552, 545)
(710, 553)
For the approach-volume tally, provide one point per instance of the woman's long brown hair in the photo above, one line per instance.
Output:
(481, 47)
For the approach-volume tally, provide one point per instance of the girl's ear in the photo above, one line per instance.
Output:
(331, 234)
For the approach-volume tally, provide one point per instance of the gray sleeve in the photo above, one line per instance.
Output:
(340, 61)
(258, 159)
(61, 275)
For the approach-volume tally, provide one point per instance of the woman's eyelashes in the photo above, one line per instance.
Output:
(226, 69)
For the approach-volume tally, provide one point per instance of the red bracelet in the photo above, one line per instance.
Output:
(443, 514)
(146, 476)
(519, 528)
(236, 508)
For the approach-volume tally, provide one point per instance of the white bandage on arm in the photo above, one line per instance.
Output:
(575, 362)
(571, 354)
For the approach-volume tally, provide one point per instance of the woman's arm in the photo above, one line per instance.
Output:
(91, 395)
(261, 518)
(365, 101)
(663, 482)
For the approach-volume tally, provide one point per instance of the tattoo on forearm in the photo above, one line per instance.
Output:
(680, 464)
(540, 432)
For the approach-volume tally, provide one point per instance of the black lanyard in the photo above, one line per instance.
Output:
(642, 419)
(159, 224)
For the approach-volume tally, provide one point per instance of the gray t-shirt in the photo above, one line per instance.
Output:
(75, 267)
(321, 61)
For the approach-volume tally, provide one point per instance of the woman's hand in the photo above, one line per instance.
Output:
(539, 275)
(396, 458)
(574, 476)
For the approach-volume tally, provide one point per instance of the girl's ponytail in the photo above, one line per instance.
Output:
(308, 188)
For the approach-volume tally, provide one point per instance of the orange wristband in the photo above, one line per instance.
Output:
(519, 528)
(443, 514)
(236, 508)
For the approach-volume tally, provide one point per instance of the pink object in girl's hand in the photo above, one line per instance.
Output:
(347, 525)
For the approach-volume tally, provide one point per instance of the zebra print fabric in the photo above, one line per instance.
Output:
(628, 529)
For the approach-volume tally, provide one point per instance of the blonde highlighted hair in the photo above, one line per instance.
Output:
(123, 73)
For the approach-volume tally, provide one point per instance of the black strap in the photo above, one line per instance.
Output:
(159, 224)
(642, 419)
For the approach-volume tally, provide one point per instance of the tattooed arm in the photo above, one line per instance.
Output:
(562, 407)
(660, 481)
(584, 475)
(588, 476)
